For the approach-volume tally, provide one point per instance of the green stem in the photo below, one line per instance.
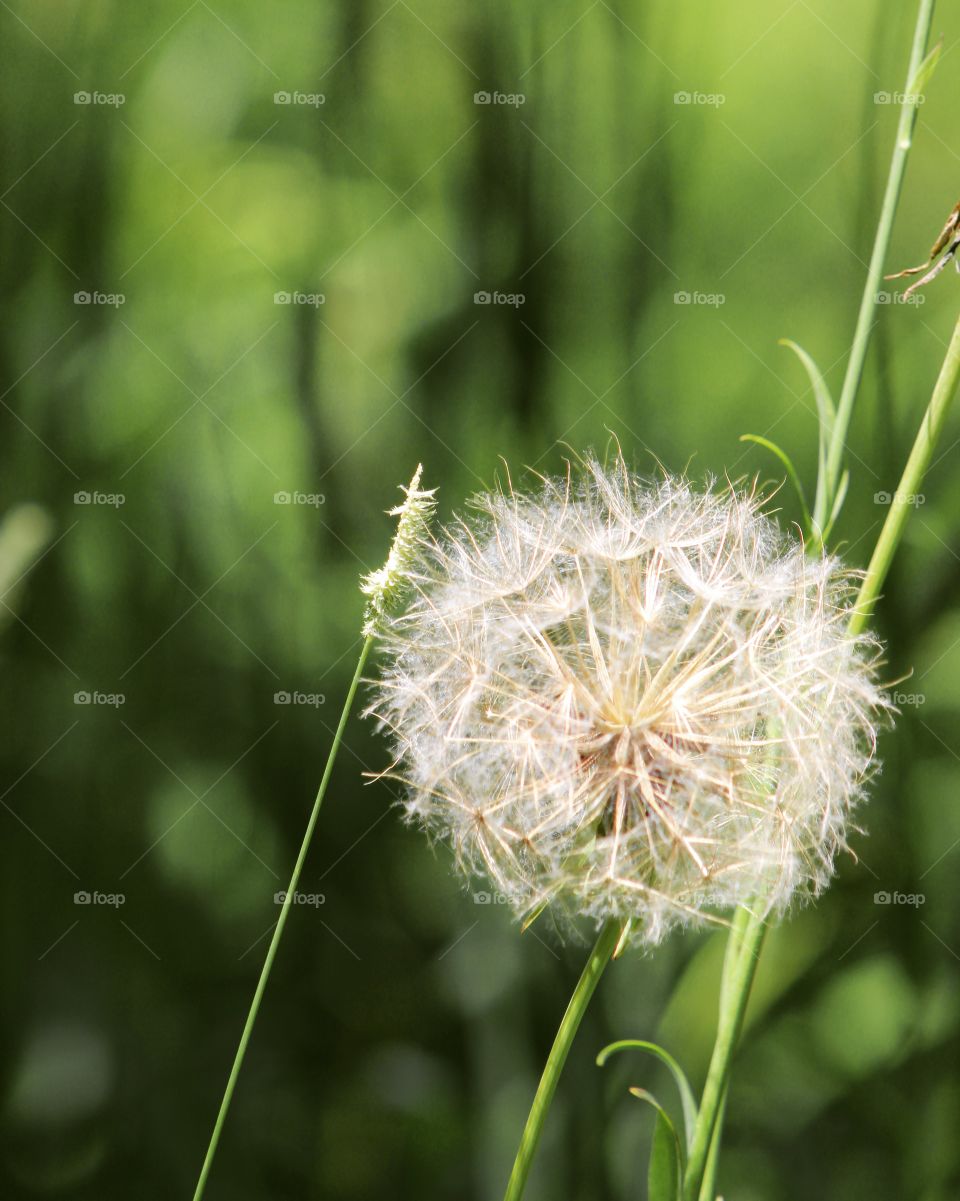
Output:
(861, 337)
(747, 934)
(708, 1190)
(746, 938)
(278, 930)
(910, 483)
(748, 930)
(599, 958)
(734, 946)
(739, 969)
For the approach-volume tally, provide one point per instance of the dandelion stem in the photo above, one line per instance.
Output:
(281, 922)
(864, 326)
(599, 958)
(910, 483)
(740, 966)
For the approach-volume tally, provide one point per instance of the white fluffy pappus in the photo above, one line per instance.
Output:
(630, 699)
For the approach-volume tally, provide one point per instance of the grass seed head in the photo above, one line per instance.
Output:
(386, 586)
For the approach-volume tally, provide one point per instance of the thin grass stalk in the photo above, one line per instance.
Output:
(278, 929)
(701, 1172)
(911, 481)
(881, 243)
(746, 937)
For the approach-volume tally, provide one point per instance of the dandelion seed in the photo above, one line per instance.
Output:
(630, 699)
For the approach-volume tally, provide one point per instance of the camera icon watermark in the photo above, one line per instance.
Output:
(313, 699)
(112, 500)
(490, 898)
(98, 99)
(112, 899)
(916, 499)
(700, 99)
(112, 700)
(312, 500)
(310, 299)
(511, 299)
(507, 99)
(913, 899)
(917, 98)
(110, 299)
(300, 99)
(313, 899)
(707, 299)
(914, 298)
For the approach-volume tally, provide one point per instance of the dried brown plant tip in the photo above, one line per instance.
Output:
(942, 251)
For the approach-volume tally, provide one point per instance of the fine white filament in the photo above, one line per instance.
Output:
(630, 699)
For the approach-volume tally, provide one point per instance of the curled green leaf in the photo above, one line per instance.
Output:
(683, 1085)
(785, 459)
(827, 414)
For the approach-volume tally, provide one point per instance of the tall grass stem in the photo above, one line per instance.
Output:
(908, 490)
(881, 243)
(278, 929)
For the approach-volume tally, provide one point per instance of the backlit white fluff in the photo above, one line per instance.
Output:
(630, 699)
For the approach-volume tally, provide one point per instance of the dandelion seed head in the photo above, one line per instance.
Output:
(630, 699)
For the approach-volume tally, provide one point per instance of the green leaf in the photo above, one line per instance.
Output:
(827, 413)
(683, 1085)
(664, 1172)
(925, 71)
(791, 472)
(837, 504)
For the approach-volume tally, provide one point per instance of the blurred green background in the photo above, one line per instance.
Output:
(405, 1025)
